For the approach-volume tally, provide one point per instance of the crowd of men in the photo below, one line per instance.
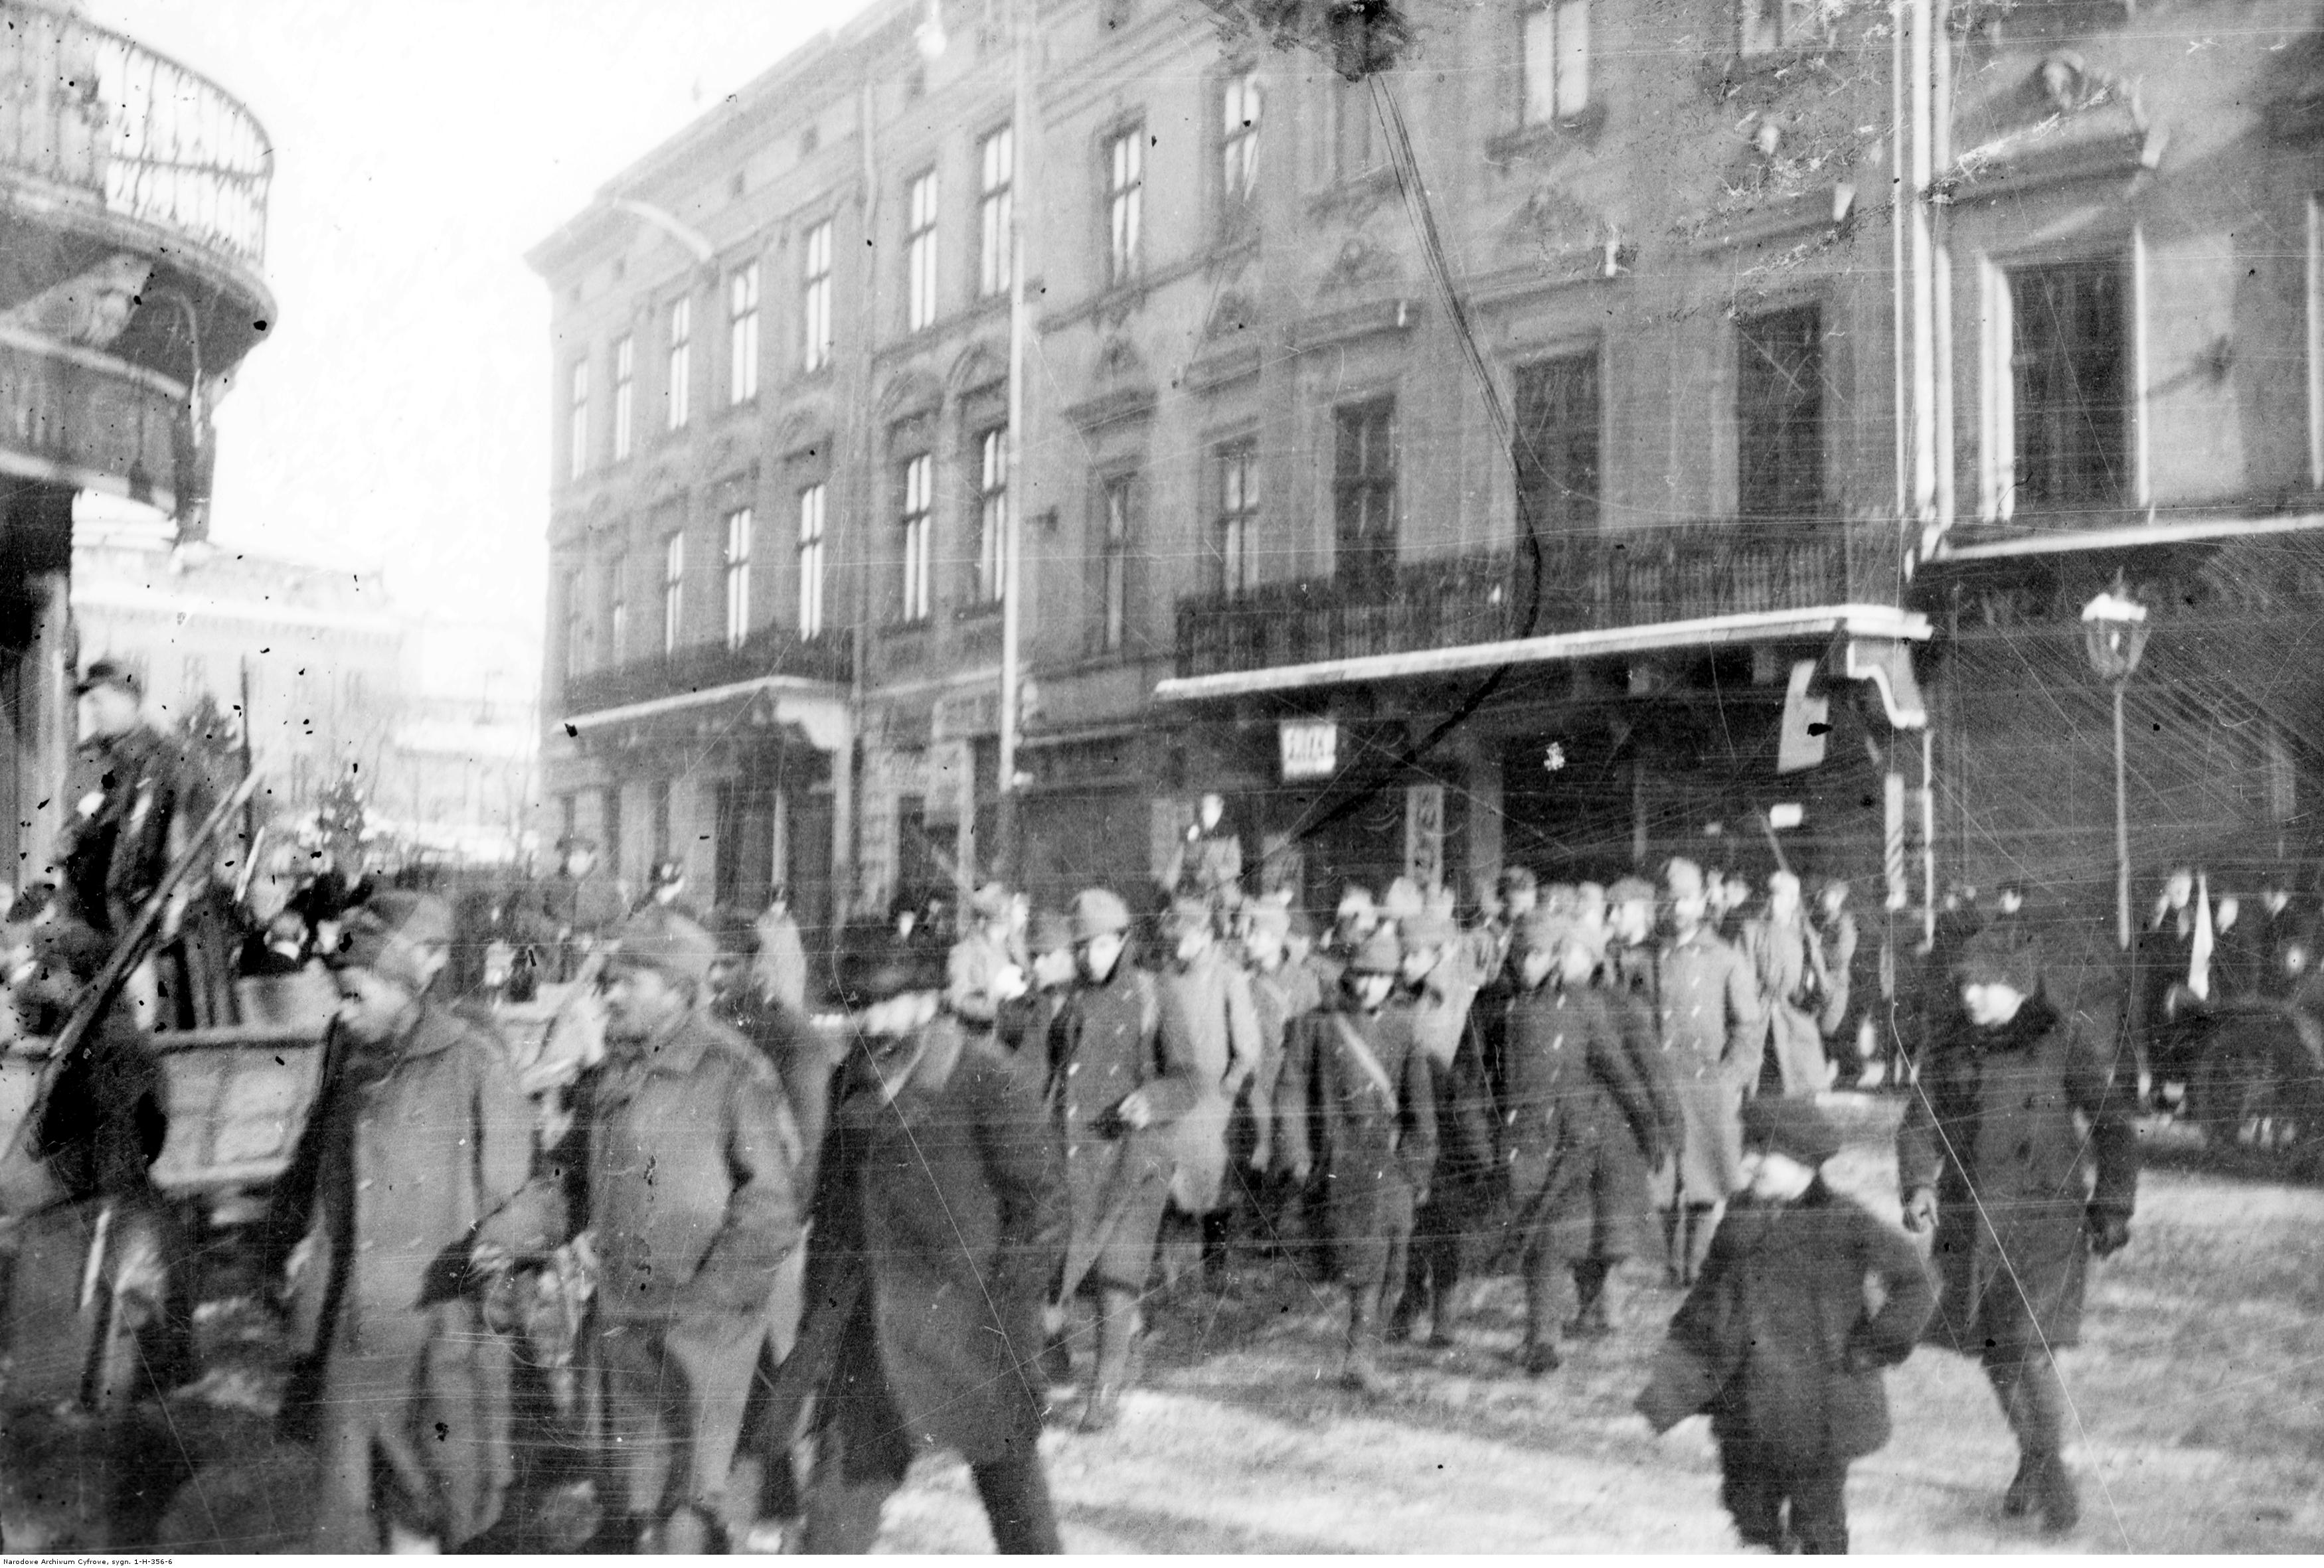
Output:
(683, 1222)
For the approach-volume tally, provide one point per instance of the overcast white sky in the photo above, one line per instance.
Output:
(398, 418)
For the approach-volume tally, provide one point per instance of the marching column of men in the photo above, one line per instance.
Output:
(934, 1227)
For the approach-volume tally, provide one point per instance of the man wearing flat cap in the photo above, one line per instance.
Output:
(1708, 1015)
(1119, 1087)
(408, 1163)
(1358, 1110)
(2020, 1153)
(939, 1220)
(133, 799)
(687, 1154)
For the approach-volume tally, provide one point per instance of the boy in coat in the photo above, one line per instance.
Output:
(1775, 1340)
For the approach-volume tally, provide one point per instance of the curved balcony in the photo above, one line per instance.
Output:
(99, 115)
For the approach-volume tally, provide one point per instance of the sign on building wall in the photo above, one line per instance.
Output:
(1310, 748)
(1424, 833)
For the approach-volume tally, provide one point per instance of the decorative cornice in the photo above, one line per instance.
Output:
(1123, 403)
(1223, 363)
(1356, 322)
(1818, 209)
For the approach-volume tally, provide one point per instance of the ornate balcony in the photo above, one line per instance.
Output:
(769, 650)
(105, 119)
(1631, 577)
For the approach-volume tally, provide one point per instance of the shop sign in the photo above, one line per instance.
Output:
(1311, 748)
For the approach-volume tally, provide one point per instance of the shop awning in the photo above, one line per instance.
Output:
(1854, 620)
(818, 709)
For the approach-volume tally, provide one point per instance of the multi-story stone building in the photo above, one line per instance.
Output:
(1524, 460)
(133, 223)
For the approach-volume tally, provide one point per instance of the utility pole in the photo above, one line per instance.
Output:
(1009, 854)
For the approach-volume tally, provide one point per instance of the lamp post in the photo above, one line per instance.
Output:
(2113, 627)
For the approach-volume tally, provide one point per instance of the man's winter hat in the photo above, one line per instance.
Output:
(1630, 890)
(389, 934)
(1429, 929)
(1402, 901)
(876, 964)
(1542, 929)
(990, 902)
(1590, 903)
(1269, 915)
(1684, 878)
(666, 941)
(1185, 917)
(667, 873)
(1378, 954)
(1051, 932)
(1999, 957)
(111, 672)
(1098, 912)
(1355, 904)
(1790, 1127)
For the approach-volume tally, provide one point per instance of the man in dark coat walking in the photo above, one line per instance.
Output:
(1117, 1094)
(1356, 1105)
(939, 1222)
(1778, 1342)
(1990, 1155)
(1627, 1168)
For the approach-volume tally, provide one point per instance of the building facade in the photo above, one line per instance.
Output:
(1746, 370)
(133, 221)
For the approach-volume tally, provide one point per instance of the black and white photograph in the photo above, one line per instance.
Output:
(1259, 777)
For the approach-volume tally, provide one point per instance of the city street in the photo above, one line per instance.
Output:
(2199, 1388)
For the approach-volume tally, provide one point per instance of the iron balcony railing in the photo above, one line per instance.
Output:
(769, 650)
(1630, 577)
(84, 106)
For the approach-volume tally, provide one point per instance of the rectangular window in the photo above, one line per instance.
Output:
(678, 388)
(624, 392)
(814, 299)
(1779, 414)
(738, 577)
(576, 625)
(1239, 102)
(1356, 146)
(992, 516)
(1115, 521)
(1363, 486)
(673, 589)
(743, 334)
(658, 821)
(811, 562)
(1556, 56)
(577, 418)
(1125, 197)
(920, 252)
(995, 227)
(2069, 384)
(617, 606)
(919, 497)
(1557, 448)
(1764, 26)
(1238, 519)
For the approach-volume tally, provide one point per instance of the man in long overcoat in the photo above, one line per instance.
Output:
(939, 1222)
(2018, 1150)
(1442, 990)
(1570, 1108)
(689, 1156)
(419, 1144)
(1117, 1094)
(1711, 1028)
(1356, 1104)
(1627, 1167)
(1788, 962)
(1207, 1018)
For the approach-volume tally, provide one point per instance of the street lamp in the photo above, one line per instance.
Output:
(2113, 627)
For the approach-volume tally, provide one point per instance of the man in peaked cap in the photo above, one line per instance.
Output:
(1119, 1085)
(939, 1222)
(1357, 1109)
(419, 1145)
(690, 1156)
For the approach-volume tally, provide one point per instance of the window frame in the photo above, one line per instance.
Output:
(1359, 562)
(1124, 171)
(916, 517)
(921, 194)
(624, 394)
(1781, 501)
(2010, 430)
(575, 630)
(814, 522)
(576, 418)
(1565, 99)
(1117, 530)
(617, 605)
(739, 526)
(815, 298)
(743, 335)
(996, 209)
(677, 364)
(1351, 106)
(1237, 510)
(1570, 510)
(1237, 163)
(673, 589)
(1796, 25)
(992, 580)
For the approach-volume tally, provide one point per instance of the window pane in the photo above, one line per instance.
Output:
(678, 385)
(1779, 415)
(1540, 65)
(578, 419)
(2070, 383)
(1572, 57)
(811, 576)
